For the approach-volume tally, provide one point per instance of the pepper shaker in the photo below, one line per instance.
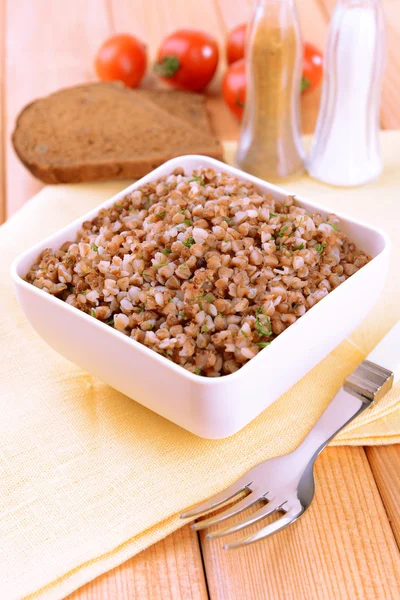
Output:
(345, 150)
(270, 144)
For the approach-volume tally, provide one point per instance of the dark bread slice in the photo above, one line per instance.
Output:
(104, 131)
(188, 107)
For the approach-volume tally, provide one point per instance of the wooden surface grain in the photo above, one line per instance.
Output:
(327, 554)
(345, 546)
(385, 467)
(169, 570)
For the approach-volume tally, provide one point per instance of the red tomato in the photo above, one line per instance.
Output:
(312, 68)
(234, 87)
(187, 59)
(121, 58)
(235, 43)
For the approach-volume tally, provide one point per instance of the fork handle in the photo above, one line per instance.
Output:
(339, 413)
(369, 382)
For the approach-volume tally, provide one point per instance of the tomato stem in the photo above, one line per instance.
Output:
(238, 102)
(168, 66)
(305, 84)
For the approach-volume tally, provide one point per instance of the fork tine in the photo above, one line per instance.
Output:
(272, 506)
(284, 521)
(230, 492)
(233, 510)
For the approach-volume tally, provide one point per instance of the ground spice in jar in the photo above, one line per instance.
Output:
(270, 145)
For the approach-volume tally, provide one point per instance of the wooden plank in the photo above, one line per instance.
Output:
(3, 174)
(343, 547)
(390, 110)
(390, 113)
(47, 48)
(385, 466)
(170, 570)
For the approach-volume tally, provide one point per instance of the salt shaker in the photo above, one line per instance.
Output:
(345, 150)
(270, 144)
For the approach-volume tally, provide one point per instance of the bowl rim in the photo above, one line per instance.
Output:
(172, 163)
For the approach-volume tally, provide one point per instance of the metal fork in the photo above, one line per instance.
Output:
(286, 483)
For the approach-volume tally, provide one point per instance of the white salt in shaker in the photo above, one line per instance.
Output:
(345, 150)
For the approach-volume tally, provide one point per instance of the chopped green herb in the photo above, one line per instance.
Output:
(117, 205)
(181, 313)
(228, 219)
(166, 251)
(84, 292)
(94, 247)
(335, 227)
(189, 242)
(260, 327)
(244, 333)
(160, 265)
(282, 231)
(150, 326)
(170, 299)
(195, 178)
(209, 298)
(262, 344)
(183, 210)
(320, 247)
(187, 222)
(300, 247)
(136, 309)
(204, 329)
(271, 214)
(93, 313)
(146, 274)
(183, 267)
(161, 214)
(197, 370)
(300, 220)
(110, 322)
(201, 305)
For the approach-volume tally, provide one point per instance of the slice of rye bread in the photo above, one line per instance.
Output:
(104, 131)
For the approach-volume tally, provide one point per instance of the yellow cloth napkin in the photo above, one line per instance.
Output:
(88, 477)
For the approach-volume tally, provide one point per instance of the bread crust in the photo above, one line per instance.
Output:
(162, 116)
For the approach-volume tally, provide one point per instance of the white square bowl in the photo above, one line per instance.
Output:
(208, 407)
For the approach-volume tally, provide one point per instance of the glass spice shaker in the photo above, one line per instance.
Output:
(345, 150)
(270, 144)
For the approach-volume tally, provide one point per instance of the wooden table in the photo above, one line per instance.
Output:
(346, 546)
